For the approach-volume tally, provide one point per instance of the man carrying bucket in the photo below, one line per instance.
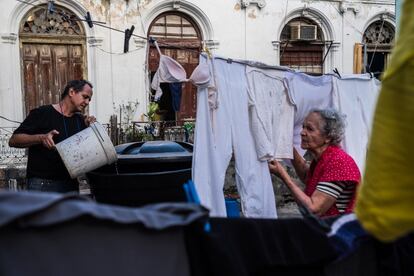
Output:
(46, 126)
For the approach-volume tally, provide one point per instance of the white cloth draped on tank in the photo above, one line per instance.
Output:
(254, 112)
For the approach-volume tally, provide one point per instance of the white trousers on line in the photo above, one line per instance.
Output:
(229, 134)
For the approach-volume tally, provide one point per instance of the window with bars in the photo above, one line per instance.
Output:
(379, 40)
(302, 46)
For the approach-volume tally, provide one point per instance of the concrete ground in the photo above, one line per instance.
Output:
(288, 210)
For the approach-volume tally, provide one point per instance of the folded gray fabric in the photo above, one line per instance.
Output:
(44, 209)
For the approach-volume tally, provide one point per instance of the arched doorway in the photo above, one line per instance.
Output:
(52, 53)
(302, 45)
(178, 37)
(379, 39)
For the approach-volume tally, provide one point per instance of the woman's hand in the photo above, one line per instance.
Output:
(277, 168)
(89, 120)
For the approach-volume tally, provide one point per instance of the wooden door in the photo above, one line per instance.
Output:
(189, 60)
(46, 70)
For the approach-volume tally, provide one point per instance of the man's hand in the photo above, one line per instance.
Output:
(89, 120)
(47, 139)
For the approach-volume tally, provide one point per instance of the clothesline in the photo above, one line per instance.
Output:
(261, 65)
(91, 23)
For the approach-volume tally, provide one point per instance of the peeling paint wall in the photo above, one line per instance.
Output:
(99, 8)
(246, 33)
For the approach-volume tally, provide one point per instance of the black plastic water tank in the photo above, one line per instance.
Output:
(146, 172)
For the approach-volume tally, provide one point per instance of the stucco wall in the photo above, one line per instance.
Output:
(230, 29)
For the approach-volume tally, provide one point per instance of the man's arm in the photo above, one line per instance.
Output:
(21, 140)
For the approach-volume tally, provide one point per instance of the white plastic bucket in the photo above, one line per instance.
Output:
(87, 150)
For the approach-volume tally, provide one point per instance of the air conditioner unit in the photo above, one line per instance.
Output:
(303, 32)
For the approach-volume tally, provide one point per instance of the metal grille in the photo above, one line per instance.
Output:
(303, 59)
(61, 22)
(155, 130)
(8, 155)
(379, 32)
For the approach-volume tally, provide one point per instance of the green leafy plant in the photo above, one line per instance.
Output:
(133, 133)
(152, 110)
(189, 126)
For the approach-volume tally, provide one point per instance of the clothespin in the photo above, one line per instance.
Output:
(335, 70)
(155, 43)
(88, 19)
(229, 60)
(50, 6)
(151, 40)
(128, 34)
(207, 50)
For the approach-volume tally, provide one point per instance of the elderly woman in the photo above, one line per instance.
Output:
(332, 177)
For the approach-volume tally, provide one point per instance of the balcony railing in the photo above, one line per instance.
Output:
(10, 155)
(125, 133)
(153, 130)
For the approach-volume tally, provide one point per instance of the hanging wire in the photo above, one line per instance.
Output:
(350, 24)
(100, 24)
(117, 54)
(177, 47)
(150, 39)
(140, 17)
(28, 3)
(6, 130)
(283, 24)
(284, 18)
(376, 45)
(120, 31)
(7, 119)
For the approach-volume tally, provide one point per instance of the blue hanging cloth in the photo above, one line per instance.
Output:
(176, 89)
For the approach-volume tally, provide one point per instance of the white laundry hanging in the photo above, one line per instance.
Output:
(271, 113)
(356, 97)
(170, 71)
(231, 134)
(307, 92)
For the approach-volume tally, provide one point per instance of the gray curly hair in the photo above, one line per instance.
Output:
(334, 124)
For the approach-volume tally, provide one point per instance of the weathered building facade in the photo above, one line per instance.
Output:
(41, 49)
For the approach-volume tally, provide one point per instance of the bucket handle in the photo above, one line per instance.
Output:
(94, 129)
(99, 134)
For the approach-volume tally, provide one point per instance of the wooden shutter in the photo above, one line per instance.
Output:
(358, 58)
(46, 69)
(30, 64)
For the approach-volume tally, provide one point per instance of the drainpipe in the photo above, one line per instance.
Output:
(398, 8)
(245, 33)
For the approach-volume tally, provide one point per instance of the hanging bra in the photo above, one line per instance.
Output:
(170, 71)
